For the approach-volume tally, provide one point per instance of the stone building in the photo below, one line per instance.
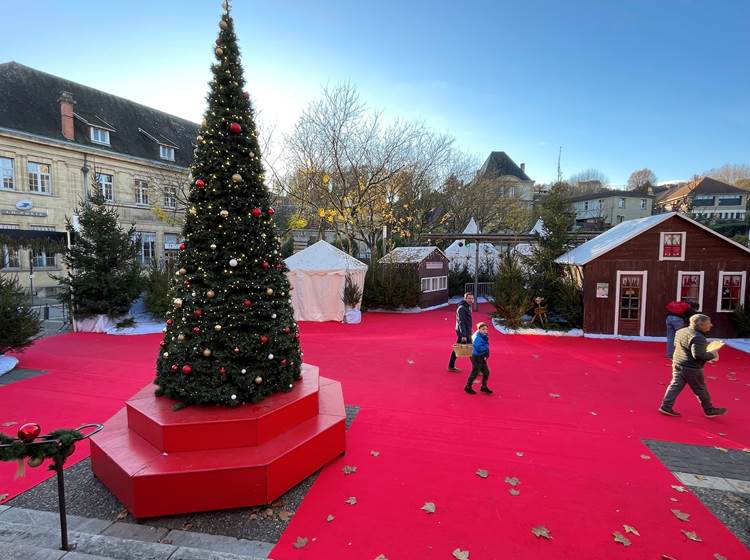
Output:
(608, 208)
(57, 138)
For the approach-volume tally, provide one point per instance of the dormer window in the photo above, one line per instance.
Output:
(99, 136)
(166, 152)
(672, 246)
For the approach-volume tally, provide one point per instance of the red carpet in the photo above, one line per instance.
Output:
(581, 474)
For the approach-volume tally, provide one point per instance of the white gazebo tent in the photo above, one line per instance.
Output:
(318, 274)
(462, 254)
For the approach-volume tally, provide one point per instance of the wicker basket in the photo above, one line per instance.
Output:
(463, 350)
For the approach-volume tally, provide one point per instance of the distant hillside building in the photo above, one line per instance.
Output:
(705, 198)
(610, 207)
(500, 172)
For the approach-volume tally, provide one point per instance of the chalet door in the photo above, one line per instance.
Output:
(631, 303)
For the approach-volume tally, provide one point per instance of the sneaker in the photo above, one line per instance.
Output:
(669, 411)
(470, 390)
(486, 390)
(454, 370)
(714, 412)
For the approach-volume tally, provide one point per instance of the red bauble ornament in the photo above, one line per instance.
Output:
(235, 128)
(256, 212)
(200, 184)
(279, 266)
(265, 264)
(169, 322)
(182, 246)
(187, 369)
(247, 303)
(270, 211)
(287, 330)
(263, 339)
(236, 349)
(163, 343)
(197, 330)
(29, 432)
(246, 94)
(186, 283)
(198, 313)
(296, 335)
(174, 369)
(284, 362)
(222, 371)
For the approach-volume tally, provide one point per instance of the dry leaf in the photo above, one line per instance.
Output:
(349, 469)
(674, 499)
(679, 488)
(459, 554)
(646, 457)
(629, 529)
(699, 476)
(268, 512)
(253, 516)
(429, 507)
(285, 515)
(381, 557)
(187, 526)
(554, 395)
(722, 449)
(620, 538)
(513, 492)
(512, 480)
(665, 557)
(3, 496)
(482, 473)
(692, 535)
(682, 516)
(300, 542)
(374, 453)
(542, 532)
(120, 516)
(351, 500)
(719, 556)
(519, 453)
(593, 413)
(8, 424)
(330, 518)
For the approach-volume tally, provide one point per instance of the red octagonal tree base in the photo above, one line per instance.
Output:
(161, 462)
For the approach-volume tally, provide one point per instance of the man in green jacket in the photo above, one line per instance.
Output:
(689, 357)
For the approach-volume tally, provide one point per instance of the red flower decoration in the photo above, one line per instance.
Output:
(29, 432)
(182, 246)
(265, 265)
(236, 349)
(287, 330)
(263, 339)
(222, 371)
(186, 283)
(284, 362)
(247, 303)
(197, 330)
(235, 128)
(198, 312)
(200, 184)
(256, 212)
(187, 369)
(270, 211)
(174, 368)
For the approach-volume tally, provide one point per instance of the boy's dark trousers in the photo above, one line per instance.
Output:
(478, 365)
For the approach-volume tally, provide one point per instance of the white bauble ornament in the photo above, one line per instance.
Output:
(217, 328)
(273, 316)
(270, 356)
(213, 246)
(165, 355)
(224, 213)
(233, 397)
(243, 371)
(233, 262)
(177, 302)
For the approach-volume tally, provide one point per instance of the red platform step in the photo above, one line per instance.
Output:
(158, 462)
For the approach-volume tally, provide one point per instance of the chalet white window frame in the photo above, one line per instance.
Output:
(166, 152)
(100, 136)
(7, 174)
(40, 177)
(434, 265)
(106, 182)
(683, 273)
(434, 284)
(743, 285)
(683, 241)
(644, 300)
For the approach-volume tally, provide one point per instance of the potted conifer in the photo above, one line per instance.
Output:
(352, 297)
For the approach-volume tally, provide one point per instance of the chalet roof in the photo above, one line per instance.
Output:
(704, 185)
(624, 232)
(607, 193)
(409, 255)
(29, 103)
(499, 164)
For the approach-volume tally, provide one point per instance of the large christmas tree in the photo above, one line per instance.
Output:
(231, 337)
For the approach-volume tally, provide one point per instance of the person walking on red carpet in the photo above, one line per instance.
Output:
(677, 313)
(690, 355)
(479, 356)
(463, 327)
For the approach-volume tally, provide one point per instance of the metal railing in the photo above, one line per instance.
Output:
(484, 289)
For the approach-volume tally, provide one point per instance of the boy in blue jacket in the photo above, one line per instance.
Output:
(479, 356)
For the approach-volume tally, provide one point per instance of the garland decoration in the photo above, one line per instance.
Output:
(57, 445)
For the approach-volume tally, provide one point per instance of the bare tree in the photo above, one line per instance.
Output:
(588, 181)
(640, 179)
(737, 174)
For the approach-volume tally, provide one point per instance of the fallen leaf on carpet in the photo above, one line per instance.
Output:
(482, 473)
(374, 453)
(381, 557)
(535, 356)
(429, 507)
(349, 469)
(700, 477)
(692, 535)
(410, 362)
(122, 515)
(512, 480)
(459, 554)
(9, 424)
(285, 515)
(300, 542)
(519, 453)
(629, 529)
(330, 518)
(719, 556)
(268, 512)
(620, 538)
(253, 516)
(712, 377)
(554, 395)
(187, 526)
(513, 492)
(277, 504)
(593, 413)
(679, 488)
(722, 434)
(646, 457)
(542, 532)
(665, 557)
(681, 515)
(722, 449)
(674, 499)
(351, 500)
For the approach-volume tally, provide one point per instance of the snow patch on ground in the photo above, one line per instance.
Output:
(145, 323)
(741, 344)
(409, 309)
(532, 331)
(7, 364)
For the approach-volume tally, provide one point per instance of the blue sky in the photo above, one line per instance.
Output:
(620, 85)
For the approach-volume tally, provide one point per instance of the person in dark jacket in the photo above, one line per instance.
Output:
(678, 313)
(463, 327)
(479, 355)
(690, 355)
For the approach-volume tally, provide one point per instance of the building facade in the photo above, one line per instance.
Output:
(509, 180)
(609, 208)
(58, 140)
(706, 199)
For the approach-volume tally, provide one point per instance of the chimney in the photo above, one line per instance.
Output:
(66, 114)
(523, 167)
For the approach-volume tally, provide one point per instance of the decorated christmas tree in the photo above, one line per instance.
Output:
(231, 336)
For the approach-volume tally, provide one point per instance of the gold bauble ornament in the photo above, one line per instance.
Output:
(193, 211)
(224, 213)
(35, 461)
(223, 24)
(258, 380)
(180, 337)
(207, 352)
(213, 246)
(237, 178)
(210, 294)
(219, 51)
(269, 291)
(217, 328)
(182, 272)
(177, 302)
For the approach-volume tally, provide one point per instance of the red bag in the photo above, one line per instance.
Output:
(678, 307)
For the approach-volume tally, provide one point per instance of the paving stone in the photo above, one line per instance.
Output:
(713, 482)
(12, 551)
(136, 532)
(52, 519)
(218, 543)
(185, 553)
(739, 485)
(3, 508)
(732, 509)
(702, 459)
(42, 537)
(81, 556)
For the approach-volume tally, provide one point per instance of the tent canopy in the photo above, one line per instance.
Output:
(463, 254)
(323, 256)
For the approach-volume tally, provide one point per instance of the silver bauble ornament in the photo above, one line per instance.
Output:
(224, 213)
(180, 337)
(270, 356)
(258, 380)
(217, 328)
(165, 355)
(177, 302)
(213, 246)
(233, 262)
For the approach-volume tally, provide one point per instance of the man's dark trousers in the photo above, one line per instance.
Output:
(479, 365)
(452, 361)
(682, 376)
